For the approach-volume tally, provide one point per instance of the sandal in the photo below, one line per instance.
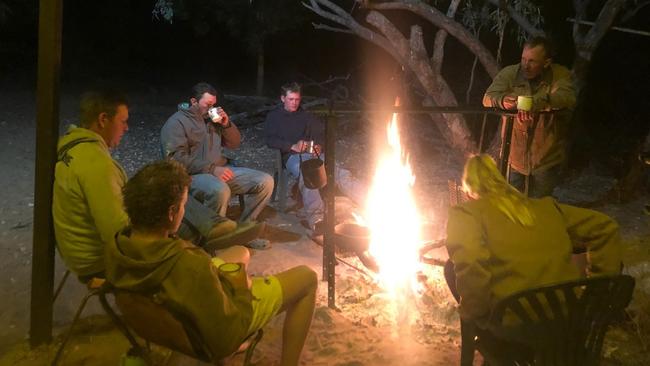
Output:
(259, 244)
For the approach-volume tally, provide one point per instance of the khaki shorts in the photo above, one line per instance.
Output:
(267, 299)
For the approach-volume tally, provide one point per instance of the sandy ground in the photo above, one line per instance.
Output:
(359, 332)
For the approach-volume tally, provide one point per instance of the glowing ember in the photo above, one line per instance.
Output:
(394, 222)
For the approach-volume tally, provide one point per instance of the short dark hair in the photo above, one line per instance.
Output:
(152, 191)
(201, 88)
(292, 87)
(99, 101)
(546, 43)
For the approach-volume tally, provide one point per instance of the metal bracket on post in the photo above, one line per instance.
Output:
(330, 215)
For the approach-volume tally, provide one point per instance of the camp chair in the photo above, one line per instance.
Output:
(562, 324)
(281, 178)
(158, 324)
(96, 287)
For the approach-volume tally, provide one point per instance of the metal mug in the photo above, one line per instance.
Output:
(308, 147)
(214, 114)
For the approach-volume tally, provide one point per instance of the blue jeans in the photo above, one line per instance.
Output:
(198, 220)
(215, 194)
(311, 199)
(539, 184)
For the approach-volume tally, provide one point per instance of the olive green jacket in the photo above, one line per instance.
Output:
(183, 277)
(542, 145)
(495, 257)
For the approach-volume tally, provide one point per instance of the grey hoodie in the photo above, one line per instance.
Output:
(187, 138)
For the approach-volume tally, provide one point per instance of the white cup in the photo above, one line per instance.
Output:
(214, 114)
(525, 102)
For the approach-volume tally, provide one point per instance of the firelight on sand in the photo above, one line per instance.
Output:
(395, 226)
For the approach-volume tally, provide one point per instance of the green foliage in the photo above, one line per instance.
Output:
(481, 14)
(163, 10)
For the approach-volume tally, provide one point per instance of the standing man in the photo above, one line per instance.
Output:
(289, 128)
(539, 135)
(195, 141)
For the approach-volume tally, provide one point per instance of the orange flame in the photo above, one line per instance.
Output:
(394, 222)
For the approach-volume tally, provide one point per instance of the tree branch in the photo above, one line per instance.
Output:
(519, 19)
(330, 28)
(439, 42)
(340, 16)
(456, 30)
(629, 14)
(603, 23)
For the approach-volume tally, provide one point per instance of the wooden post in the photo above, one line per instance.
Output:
(47, 132)
(330, 216)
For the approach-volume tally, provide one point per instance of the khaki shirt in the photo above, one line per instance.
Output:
(543, 145)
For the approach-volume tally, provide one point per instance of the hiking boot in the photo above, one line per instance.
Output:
(243, 234)
(221, 228)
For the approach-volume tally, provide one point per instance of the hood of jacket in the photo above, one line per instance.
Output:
(191, 111)
(75, 133)
(133, 266)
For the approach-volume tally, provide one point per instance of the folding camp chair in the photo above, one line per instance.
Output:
(158, 324)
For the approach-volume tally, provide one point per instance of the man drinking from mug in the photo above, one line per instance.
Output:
(539, 139)
(193, 139)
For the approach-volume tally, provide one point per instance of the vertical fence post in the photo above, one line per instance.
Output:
(330, 215)
(504, 153)
(47, 132)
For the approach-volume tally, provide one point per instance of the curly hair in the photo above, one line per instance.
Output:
(482, 178)
(152, 191)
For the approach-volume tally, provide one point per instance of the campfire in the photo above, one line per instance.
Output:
(387, 238)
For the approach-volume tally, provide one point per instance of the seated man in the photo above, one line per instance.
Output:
(225, 304)
(87, 193)
(289, 128)
(501, 242)
(195, 141)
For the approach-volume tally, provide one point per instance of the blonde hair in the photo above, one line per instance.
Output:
(482, 178)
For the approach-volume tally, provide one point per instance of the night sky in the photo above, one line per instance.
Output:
(119, 41)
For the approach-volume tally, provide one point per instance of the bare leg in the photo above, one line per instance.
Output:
(299, 286)
(235, 254)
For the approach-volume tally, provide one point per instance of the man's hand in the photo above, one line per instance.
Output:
(526, 117)
(225, 120)
(317, 149)
(298, 146)
(223, 173)
(509, 102)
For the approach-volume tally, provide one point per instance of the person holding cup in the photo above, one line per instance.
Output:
(544, 96)
(195, 136)
(225, 304)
